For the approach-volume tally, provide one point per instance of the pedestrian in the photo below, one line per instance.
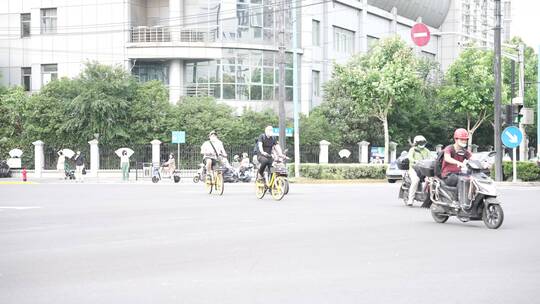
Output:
(124, 164)
(60, 165)
(79, 165)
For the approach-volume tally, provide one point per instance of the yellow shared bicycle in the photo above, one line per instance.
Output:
(278, 185)
(214, 182)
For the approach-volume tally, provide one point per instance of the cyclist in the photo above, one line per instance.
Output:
(212, 150)
(266, 144)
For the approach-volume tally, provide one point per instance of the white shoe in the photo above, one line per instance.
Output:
(410, 203)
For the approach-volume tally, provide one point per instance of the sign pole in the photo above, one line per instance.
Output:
(514, 166)
(178, 159)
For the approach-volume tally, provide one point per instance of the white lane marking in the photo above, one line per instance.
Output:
(19, 208)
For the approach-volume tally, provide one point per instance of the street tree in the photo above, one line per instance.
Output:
(468, 88)
(378, 82)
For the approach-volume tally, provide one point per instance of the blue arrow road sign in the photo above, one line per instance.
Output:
(511, 137)
(178, 137)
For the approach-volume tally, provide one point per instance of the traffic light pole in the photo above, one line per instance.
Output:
(497, 101)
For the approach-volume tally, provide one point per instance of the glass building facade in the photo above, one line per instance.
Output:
(239, 75)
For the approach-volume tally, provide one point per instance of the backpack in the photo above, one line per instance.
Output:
(439, 160)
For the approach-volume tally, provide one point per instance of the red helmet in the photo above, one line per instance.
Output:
(461, 134)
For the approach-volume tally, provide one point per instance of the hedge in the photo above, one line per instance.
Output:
(341, 171)
(526, 171)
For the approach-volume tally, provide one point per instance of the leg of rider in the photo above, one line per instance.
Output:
(262, 166)
(415, 180)
(208, 168)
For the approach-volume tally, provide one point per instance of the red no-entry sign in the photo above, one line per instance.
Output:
(420, 34)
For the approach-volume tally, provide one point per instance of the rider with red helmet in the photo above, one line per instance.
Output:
(454, 159)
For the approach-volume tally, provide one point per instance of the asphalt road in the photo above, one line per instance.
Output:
(166, 243)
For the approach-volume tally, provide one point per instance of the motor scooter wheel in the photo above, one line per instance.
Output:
(155, 179)
(492, 215)
(196, 179)
(437, 216)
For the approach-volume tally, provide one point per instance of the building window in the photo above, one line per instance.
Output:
(371, 42)
(48, 20)
(25, 25)
(26, 78)
(428, 55)
(239, 75)
(49, 72)
(315, 83)
(343, 41)
(316, 34)
(147, 71)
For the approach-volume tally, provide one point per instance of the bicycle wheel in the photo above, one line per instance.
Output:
(208, 183)
(260, 189)
(286, 185)
(278, 188)
(219, 183)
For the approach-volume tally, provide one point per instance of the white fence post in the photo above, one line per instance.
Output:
(94, 157)
(364, 153)
(39, 158)
(156, 151)
(323, 152)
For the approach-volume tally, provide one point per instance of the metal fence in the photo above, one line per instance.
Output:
(188, 157)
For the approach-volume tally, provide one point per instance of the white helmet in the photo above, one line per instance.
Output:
(420, 141)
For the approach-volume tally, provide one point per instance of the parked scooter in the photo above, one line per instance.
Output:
(201, 174)
(245, 174)
(5, 170)
(481, 202)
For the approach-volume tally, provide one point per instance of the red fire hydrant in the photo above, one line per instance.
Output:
(24, 174)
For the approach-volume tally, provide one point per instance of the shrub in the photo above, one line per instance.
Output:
(526, 171)
(341, 171)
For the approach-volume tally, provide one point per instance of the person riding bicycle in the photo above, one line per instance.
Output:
(266, 143)
(417, 153)
(212, 150)
(455, 157)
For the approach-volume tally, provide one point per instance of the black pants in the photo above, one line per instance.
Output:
(264, 162)
(462, 183)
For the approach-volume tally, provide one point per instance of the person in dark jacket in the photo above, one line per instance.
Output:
(79, 165)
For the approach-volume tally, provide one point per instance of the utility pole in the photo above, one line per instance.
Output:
(295, 91)
(281, 61)
(523, 147)
(497, 70)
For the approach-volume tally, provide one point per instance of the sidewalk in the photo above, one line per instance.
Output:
(88, 180)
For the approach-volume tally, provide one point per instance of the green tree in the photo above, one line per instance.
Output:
(378, 82)
(468, 88)
(102, 106)
(150, 113)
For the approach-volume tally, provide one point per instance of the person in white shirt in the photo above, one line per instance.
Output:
(212, 150)
(124, 164)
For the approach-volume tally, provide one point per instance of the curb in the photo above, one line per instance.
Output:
(337, 181)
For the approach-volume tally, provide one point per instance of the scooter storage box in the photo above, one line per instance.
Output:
(402, 163)
(425, 168)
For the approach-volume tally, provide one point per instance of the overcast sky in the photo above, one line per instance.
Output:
(526, 21)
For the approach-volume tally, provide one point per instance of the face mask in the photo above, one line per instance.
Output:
(421, 146)
(463, 145)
